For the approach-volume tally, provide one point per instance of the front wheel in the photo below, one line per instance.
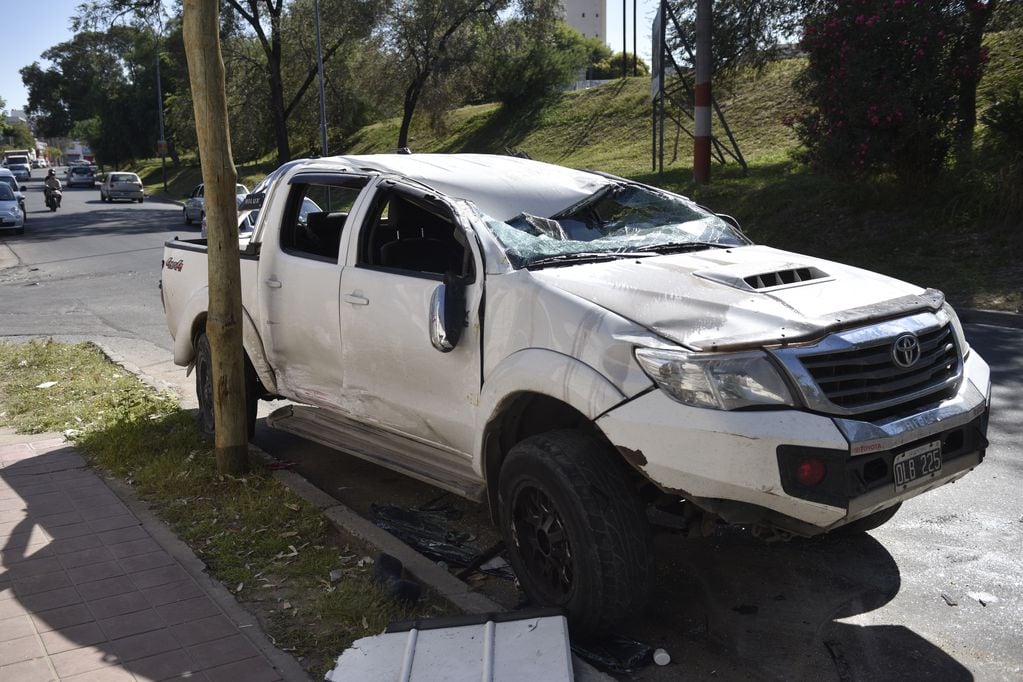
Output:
(204, 388)
(188, 221)
(576, 531)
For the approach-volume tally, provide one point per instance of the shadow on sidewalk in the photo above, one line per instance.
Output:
(84, 587)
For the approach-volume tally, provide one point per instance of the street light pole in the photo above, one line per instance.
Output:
(162, 142)
(319, 69)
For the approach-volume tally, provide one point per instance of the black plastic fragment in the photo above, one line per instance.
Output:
(614, 653)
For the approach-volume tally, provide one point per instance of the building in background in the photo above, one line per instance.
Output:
(589, 17)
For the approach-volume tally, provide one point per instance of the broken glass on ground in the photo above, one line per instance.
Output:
(431, 532)
(614, 653)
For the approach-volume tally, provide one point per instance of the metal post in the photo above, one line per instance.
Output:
(319, 69)
(625, 43)
(162, 143)
(635, 45)
(702, 99)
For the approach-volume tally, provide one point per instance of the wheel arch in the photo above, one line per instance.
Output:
(188, 333)
(534, 391)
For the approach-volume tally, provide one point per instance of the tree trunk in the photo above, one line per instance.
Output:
(976, 20)
(280, 115)
(223, 326)
(411, 99)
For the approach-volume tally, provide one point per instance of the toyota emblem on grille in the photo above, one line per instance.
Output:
(906, 350)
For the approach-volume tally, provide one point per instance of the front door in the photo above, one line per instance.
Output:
(393, 374)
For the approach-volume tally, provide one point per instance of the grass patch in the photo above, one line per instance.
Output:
(273, 550)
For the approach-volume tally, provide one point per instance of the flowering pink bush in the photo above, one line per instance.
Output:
(882, 83)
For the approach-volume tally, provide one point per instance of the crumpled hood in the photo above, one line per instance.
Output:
(727, 299)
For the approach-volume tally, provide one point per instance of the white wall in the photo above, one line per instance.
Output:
(589, 17)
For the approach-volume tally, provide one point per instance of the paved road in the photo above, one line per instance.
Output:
(936, 593)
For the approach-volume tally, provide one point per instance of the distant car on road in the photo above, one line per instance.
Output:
(20, 170)
(11, 215)
(195, 205)
(121, 186)
(81, 175)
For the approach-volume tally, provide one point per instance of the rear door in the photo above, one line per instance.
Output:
(394, 376)
(298, 285)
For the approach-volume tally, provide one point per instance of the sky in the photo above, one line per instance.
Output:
(44, 23)
(39, 26)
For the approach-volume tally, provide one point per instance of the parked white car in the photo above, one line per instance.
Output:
(121, 185)
(195, 207)
(578, 350)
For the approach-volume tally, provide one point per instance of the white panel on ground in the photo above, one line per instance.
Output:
(534, 648)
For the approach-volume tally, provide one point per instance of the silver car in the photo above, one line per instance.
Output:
(121, 186)
(195, 206)
(11, 215)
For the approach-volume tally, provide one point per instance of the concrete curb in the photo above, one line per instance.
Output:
(998, 318)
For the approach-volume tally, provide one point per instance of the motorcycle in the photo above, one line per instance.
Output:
(53, 197)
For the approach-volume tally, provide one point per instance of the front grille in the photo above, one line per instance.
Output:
(867, 376)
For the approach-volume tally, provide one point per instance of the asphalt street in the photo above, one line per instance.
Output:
(937, 593)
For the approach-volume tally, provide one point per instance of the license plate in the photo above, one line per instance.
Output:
(918, 465)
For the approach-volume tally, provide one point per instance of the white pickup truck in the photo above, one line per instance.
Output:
(585, 353)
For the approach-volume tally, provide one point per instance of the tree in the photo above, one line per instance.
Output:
(535, 55)
(105, 77)
(224, 323)
(611, 66)
(744, 31)
(881, 86)
(21, 136)
(974, 16)
(423, 38)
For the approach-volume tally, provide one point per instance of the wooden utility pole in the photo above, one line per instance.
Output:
(701, 115)
(201, 27)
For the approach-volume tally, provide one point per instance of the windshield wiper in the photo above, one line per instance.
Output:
(584, 257)
(681, 247)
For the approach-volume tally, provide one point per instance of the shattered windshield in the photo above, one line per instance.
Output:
(617, 221)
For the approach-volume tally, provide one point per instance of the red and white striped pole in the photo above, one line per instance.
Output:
(701, 145)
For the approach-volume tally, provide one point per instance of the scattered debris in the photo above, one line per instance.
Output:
(389, 573)
(336, 575)
(47, 384)
(949, 600)
(278, 465)
(983, 598)
(661, 657)
(292, 507)
(614, 653)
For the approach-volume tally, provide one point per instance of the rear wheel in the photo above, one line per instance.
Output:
(870, 522)
(204, 388)
(576, 532)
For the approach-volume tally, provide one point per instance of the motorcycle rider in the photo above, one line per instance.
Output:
(51, 183)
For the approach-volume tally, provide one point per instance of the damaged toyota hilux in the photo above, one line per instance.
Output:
(584, 353)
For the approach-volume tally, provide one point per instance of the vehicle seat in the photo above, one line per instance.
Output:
(322, 233)
(425, 242)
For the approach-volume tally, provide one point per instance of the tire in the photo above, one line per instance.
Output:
(204, 388)
(188, 221)
(597, 563)
(860, 526)
(142, 199)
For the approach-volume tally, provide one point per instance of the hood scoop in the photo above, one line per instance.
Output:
(770, 280)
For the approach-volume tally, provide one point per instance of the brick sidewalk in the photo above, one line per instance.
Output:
(87, 592)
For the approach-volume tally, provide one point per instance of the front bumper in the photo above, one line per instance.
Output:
(736, 463)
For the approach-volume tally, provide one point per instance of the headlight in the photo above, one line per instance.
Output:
(957, 329)
(722, 381)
